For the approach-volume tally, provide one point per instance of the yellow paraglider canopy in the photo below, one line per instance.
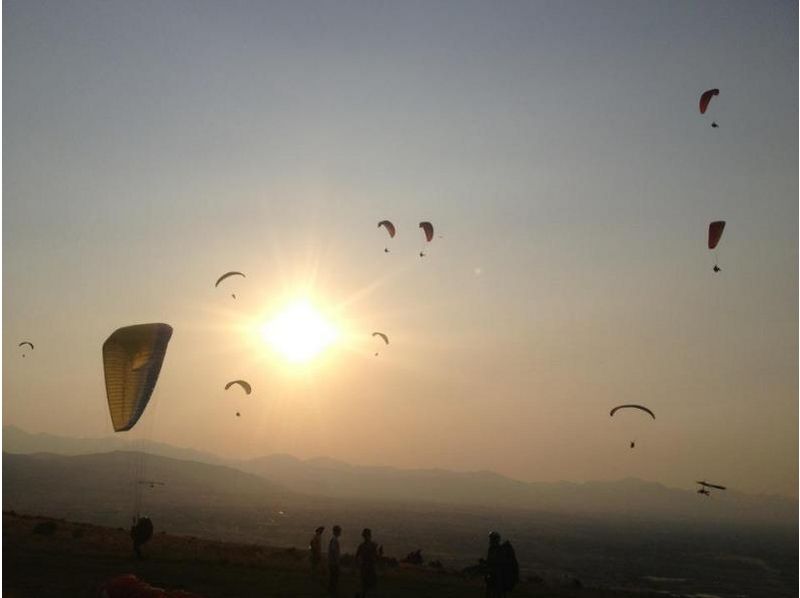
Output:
(132, 358)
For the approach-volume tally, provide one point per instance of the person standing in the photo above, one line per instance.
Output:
(367, 558)
(141, 532)
(494, 566)
(333, 561)
(502, 569)
(315, 548)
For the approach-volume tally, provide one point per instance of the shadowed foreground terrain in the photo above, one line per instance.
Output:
(45, 557)
(727, 546)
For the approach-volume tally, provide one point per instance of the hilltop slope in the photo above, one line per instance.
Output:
(73, 559)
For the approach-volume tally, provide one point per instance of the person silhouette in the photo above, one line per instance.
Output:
(334, 554)
(141, 532)
(315, 548)
(367, 557)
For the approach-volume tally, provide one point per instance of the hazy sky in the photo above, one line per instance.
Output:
(556, 146)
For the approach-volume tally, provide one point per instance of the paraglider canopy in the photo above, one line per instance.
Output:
(382, 335)
(428, 228)
(227, 275)
(709, 485)
(132, 359)
(388, 226)
(641, 407)
(715, 233)
(29, 343)
(243, 383)
(706, 98)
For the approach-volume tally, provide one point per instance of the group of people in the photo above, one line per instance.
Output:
(366, 557)
(500, 568)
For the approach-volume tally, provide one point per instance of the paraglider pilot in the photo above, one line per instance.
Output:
(141, 532)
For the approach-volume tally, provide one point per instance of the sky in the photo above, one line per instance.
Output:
(558, 149)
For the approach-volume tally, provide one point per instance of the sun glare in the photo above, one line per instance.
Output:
(299, 332)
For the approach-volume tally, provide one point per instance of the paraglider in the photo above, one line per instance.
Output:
(704, 487)
(243, 383)
(389, 228)
(132, 359)
(29, 343)
(714, 234)
(427, 227)
(245, 386)
(383, 336)
(150, 483)
(705, 98)
(710, 485)
(639, 407)
(227, 275)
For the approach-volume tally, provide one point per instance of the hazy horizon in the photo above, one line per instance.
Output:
(558, 150)
(140, 444)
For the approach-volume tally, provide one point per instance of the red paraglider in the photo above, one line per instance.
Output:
(714, 234)
(706, 98)
(389, 229)
(428, 228)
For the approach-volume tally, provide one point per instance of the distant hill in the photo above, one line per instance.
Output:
(325, 477)
(629, 496)
(16, 440)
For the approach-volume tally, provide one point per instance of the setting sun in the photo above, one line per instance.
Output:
(299, 332)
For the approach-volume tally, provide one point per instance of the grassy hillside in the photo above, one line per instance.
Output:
(45, 558)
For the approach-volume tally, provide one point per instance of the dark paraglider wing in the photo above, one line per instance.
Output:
(388, 226)
(243, 383)
(428, 228)
(132, 359)
(641, 407)
(706, 98)
(709, 485)
(715, 233)
(226, 275)
(382, 335)
(29, 343)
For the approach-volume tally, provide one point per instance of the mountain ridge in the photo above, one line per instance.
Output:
(330, 478)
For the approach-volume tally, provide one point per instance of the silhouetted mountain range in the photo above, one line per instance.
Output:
(200, 478)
